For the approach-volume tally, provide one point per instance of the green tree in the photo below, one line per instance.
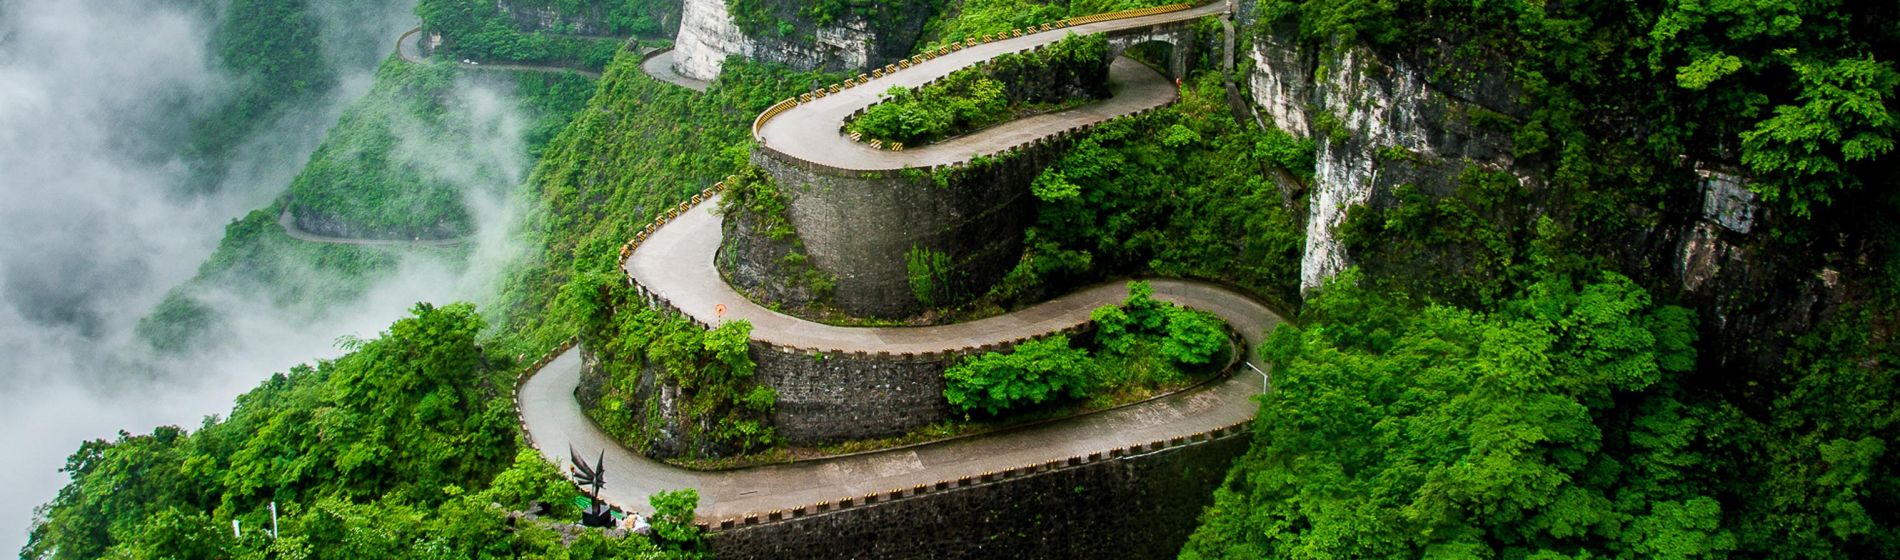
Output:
(1397, 430)
(673, 520)
(1036, 372)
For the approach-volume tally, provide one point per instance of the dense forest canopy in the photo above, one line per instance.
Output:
(1560, 413)
(1543, 403)
(397, 449)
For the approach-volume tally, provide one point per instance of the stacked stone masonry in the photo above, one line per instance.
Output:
(1136, 502)
(858, 226)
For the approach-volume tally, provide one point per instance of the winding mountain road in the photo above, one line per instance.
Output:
(409, 48)
(675, 262)
(289, 223)
(555, 420)
(660, 67)
(809, 131)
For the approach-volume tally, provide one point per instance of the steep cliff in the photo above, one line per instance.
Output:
(1420, 180)
(595, 18)
(798, 37)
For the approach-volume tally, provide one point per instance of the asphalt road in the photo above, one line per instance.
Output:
(660, 67)
(676, 263)
(670, 265)
(810, 132)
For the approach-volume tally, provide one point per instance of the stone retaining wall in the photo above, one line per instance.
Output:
(860, 229)
(1137, 502)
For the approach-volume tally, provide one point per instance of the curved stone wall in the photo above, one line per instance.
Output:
(859, 228)
(1140, 502)
(830, 396)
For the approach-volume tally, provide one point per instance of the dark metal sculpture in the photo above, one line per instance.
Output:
(592, 476)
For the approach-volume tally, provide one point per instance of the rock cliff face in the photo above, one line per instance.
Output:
(317, 223)
(1381, 125)
(1281, 82)
(586, 19)
(708, 34)
(1392, 133)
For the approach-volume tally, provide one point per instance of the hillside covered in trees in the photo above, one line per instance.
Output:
(1536, 403)
(1501, 375)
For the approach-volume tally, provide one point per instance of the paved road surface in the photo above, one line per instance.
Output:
(554, 418)
(810, 130)
(660, 66)
(676, 263)
(289, 224)
(408, 47)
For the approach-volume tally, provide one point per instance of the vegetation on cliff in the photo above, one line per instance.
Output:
(403, 159)
(962, 20)
(1798, 94)
(257, 257)
(1139, 348)
(483, 31)
(1489, 389)
(1183, 191)
(1614, 108)
(273, 48)
(400, 449)
(381, 169)
(363, 176)
(668, 387)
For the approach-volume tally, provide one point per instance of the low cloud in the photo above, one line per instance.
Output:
(98, 226)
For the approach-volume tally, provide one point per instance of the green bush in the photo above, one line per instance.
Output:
(1187, 337)
(981, 96)
(1123, 201)
(975, 18)
(1036, 372)
(673, 520)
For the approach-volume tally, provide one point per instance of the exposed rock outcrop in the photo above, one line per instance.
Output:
(1392, 132)
(708, 34)
(584, 19)
(1281, 81)
(1380, 125)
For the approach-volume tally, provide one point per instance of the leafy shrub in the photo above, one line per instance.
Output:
(993, 93)
(673, 519)
(932, 276)
(1186, 337)
(1123, 202)
(1034, 373)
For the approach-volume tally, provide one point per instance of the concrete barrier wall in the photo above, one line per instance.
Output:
(1137, 502)
(860, 229)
